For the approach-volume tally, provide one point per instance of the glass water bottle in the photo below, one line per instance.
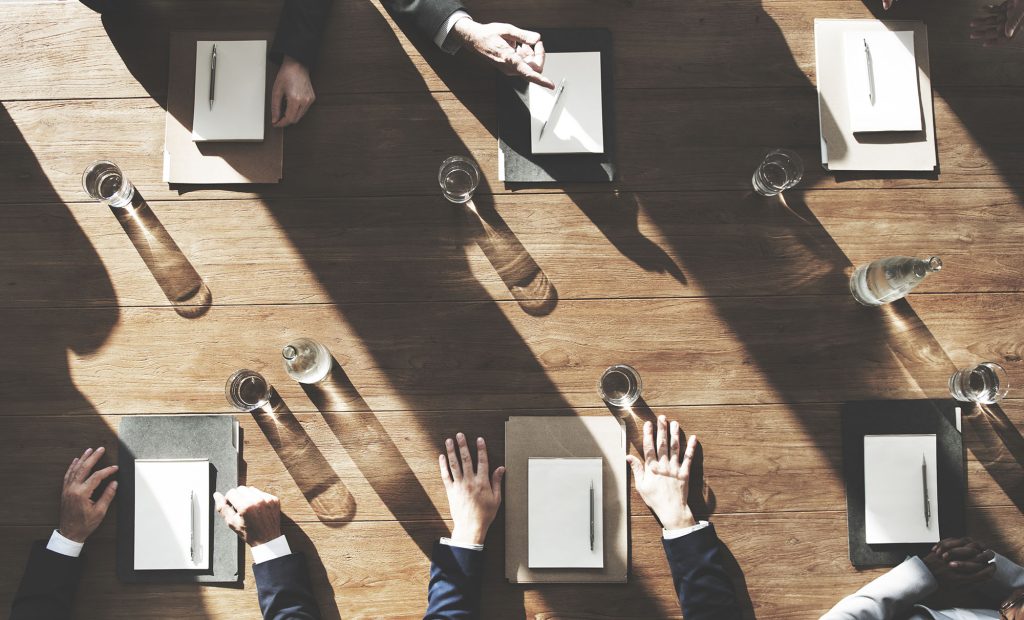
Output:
(306, 360)
(887, 279)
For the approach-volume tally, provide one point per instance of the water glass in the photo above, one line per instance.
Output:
(105, 182)
(247, 390)
(984, 384)
(620, 386)
(780, 170)
(458, 178)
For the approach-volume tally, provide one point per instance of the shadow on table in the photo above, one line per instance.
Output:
(999, 447)
(327, 495)
(376, 455)
(299, 541)
(178, 279)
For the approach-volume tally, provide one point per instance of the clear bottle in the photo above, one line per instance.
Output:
(306, 360)
(888, 279)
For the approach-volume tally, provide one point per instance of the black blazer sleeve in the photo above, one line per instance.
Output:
(426, 16)
(300, 30)
(698, 571)
(48, 587)
(456, 581)
(285, 590)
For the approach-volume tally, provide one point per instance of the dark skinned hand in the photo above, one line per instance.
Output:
(959, 562)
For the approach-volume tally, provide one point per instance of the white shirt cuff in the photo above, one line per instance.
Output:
(63, 546)
(671, 534)
(461, 545)
(271, 550)
(441, 36)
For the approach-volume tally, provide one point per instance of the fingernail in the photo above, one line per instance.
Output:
(114, 466)
(100, 449)
(448, 442)
(113, 484)
(479, 439)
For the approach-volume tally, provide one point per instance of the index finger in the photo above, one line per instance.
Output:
(691, 448)
(521, 67)
(85, 465)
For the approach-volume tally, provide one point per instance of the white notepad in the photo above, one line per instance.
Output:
(886, 68)
(894, 489)
(172, 514)
(576, 123)
(240, 91)
(561, 506)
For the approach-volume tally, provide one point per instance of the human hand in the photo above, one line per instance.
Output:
(292, 93)
(1013, 607)
(959, 562)
(79, 515)
(254, 515)
(512, 50)
(999, 23)
(663, 477)
(473, 495)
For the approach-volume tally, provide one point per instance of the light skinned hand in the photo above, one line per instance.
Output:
(292, 94)
(254, 515)
(474, 495)
(512, 50)
(79, 515)
(663, 476)
(957, 562)
(999, 23)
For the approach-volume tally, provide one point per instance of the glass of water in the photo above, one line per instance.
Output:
(620, 386)
(984, 384)
(247, 390)
(105, 182)
(780, 170)
(458, 178)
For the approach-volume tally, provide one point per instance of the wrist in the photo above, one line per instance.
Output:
(263, 539)
(290, 63)
(72, 535)
(679, 521)
(469, 535)
(463, 27)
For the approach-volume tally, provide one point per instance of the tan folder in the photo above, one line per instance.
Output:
(566, 436)
(188, 162)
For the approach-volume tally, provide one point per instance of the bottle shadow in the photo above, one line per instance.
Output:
(376, 455)
(172, 270)
(327, 495)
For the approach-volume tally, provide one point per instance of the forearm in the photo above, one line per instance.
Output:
(886, 597)
(456, 581)
(300, 30)
(283, 584)
(426, 16)
(48, 586)
(702, 583)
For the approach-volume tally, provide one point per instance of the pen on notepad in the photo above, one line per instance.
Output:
(192, 525)
(927, 501)
(213, 73)
(871, 72)
(591, 515)
(558, 95)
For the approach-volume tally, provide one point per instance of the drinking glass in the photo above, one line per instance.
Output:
(105, 182)
(458, 178)
(780, 170)
(620, 386)
(247, 390)
(984, 384)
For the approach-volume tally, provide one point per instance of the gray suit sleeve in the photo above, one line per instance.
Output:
(888, 596)
(426, 16)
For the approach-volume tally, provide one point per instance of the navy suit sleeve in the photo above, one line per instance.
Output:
(456, 581)
(426, 16)
(48, 587)
(698, 571)
(300, 30)
(285, 590)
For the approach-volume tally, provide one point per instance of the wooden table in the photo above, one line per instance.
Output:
(734, 309)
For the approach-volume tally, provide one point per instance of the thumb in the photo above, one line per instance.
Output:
(276, 96)
(496, 478)
(103, 503)
(528, 37)
(636, 466)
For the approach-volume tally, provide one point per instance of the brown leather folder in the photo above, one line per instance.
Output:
(189, 162)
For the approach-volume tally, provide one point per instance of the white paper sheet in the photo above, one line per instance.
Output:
(240, 92)
(894, 489)
(559, 499)
(888, 69)
(576, 124)
(172, 513)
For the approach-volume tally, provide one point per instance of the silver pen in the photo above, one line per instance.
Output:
(213, 73)
(871, 72)
(558, 95)
(193, 507)
(927, 501)
(591, 515)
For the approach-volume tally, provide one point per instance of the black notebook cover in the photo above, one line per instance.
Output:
(213, 437)
(521, 165)
(903, 417)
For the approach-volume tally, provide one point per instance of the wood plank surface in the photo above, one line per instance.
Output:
(735, 309)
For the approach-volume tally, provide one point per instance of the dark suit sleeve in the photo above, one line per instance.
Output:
(285, 590)
(300, 30)
(426, 16)
(456, 580)
(698, 571)
(48, 587)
